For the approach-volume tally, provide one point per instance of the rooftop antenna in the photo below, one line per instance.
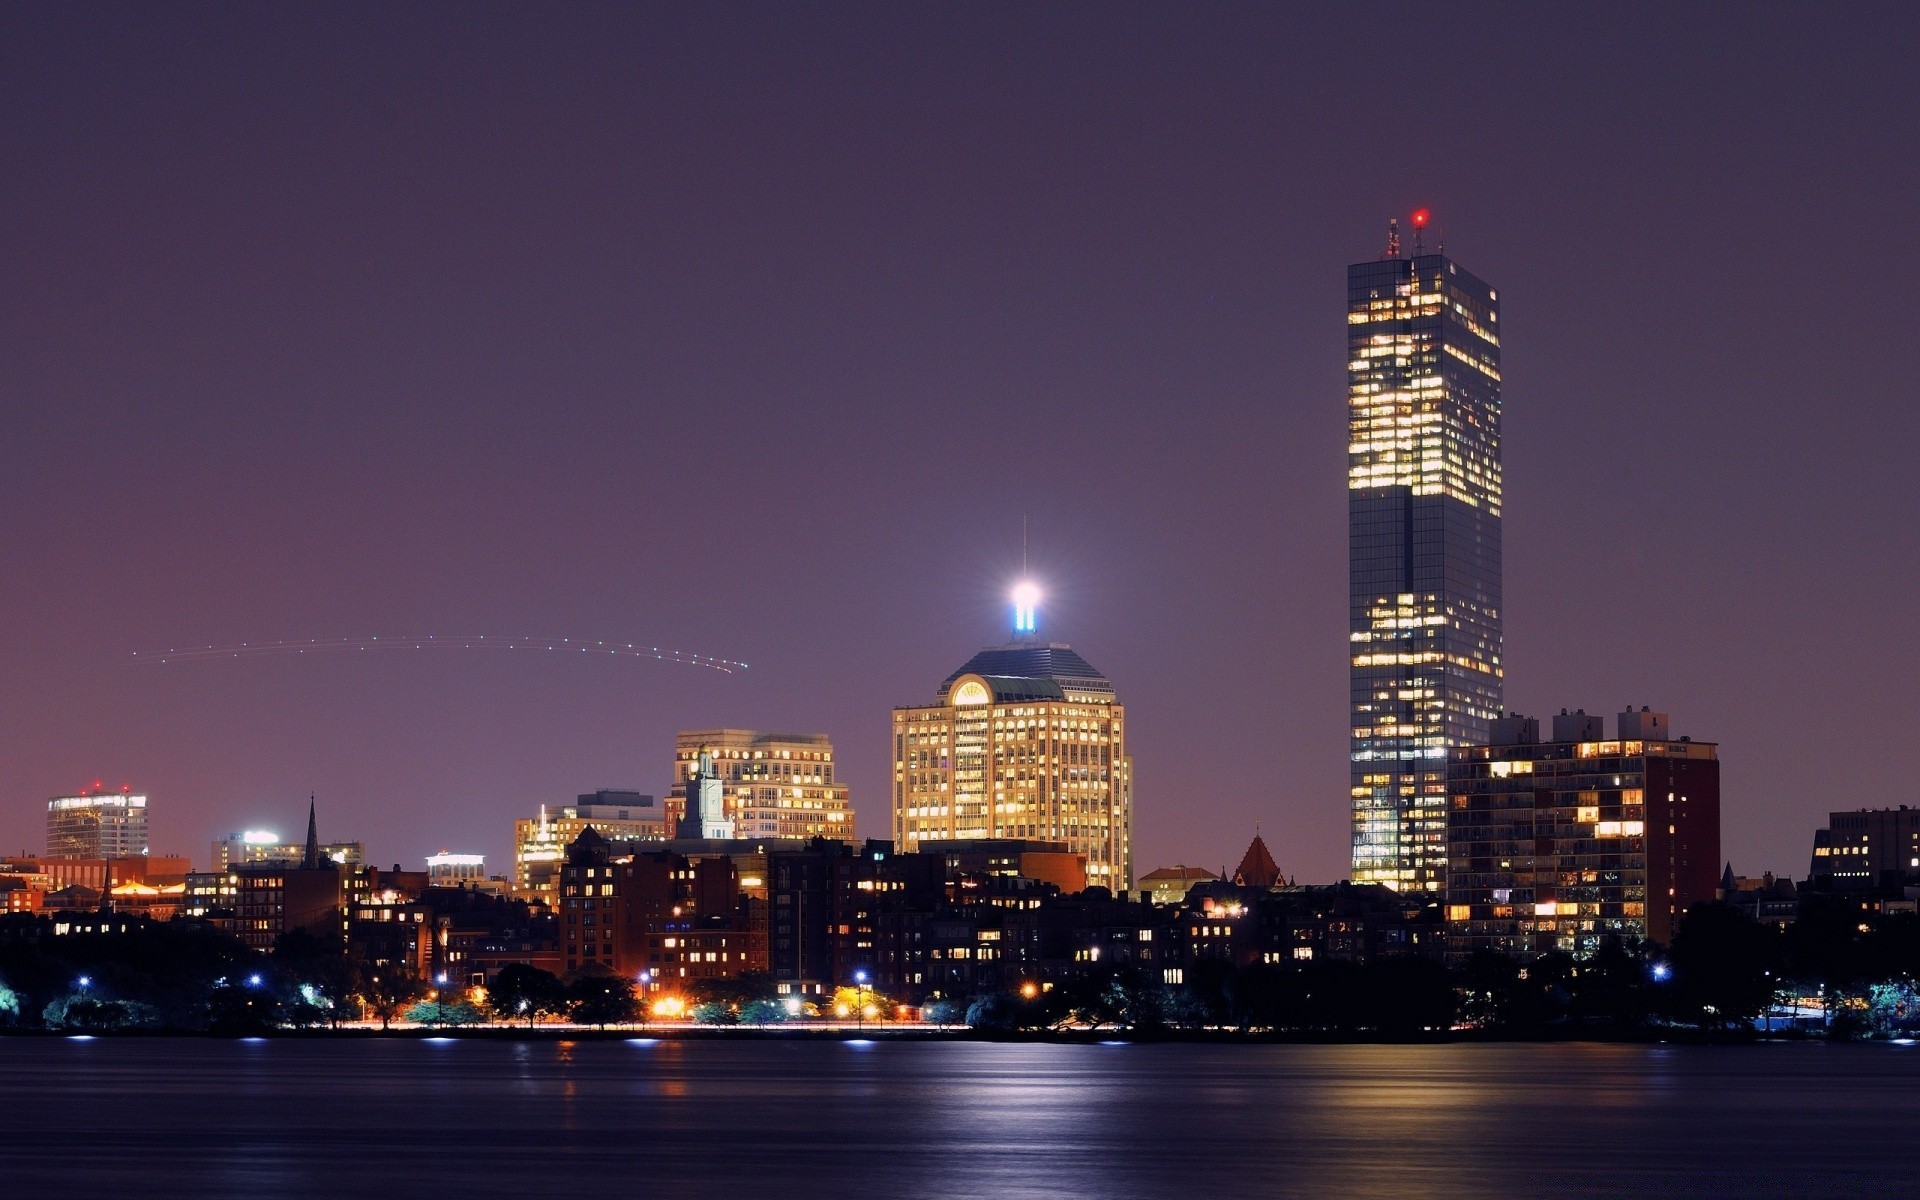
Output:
(1393, 238)
(1026, 596)
(1420, 218)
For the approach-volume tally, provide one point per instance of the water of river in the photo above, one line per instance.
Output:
(796, 1118)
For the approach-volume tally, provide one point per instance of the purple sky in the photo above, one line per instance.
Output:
(755, 330)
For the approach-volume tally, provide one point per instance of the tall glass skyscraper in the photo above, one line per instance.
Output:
(1423, 519)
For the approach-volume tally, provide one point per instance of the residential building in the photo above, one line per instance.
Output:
(780, 785)
(630, 909)
(1423, 520)
(1026, 741)
(1558, 845)
(1293, 924)
(97, 825)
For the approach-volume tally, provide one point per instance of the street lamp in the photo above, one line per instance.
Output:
(646, 986)
(860, 1006)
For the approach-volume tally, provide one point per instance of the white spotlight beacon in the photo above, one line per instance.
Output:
(1026, 604)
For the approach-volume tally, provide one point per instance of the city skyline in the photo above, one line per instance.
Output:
(758, 337)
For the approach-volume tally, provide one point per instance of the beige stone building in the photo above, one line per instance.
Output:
(775, 784)
(1024, 741)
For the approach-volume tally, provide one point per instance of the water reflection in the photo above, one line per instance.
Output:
(794, 1118)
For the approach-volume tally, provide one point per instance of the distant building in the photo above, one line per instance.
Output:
(1018, 858)
(1025, 740)
(1866, 849)
(105, 825)
(540, 842)
(1170, 885)
(263, 847)
(275, 898)
(1557, 845)
(780, 785)
(446, 870)
(1768, 899)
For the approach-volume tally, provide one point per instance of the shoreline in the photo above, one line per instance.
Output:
(1085, 1037)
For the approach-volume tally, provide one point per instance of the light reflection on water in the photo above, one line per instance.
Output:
(791, 1118)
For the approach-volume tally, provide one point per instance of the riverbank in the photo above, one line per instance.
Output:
(897, 1032)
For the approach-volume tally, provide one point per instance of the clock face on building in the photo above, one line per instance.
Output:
(972, 692)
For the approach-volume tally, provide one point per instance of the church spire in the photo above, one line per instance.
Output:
(311, 860)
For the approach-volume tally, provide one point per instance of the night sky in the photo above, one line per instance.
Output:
(756, 330)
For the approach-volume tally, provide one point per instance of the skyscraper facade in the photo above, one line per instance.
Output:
(1026, 741)
(1423, 520)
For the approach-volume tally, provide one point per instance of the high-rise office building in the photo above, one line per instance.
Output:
(97, 825)
(1423, 521)
(772, 784)
(1024, 741)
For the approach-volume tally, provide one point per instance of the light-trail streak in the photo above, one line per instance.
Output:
(536, 645)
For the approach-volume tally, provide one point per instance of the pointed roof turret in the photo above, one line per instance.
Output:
(1257, 868)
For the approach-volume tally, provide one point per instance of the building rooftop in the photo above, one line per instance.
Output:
(1032, 671)
(1257, 868)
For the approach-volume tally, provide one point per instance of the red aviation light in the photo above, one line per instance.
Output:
(1420, 218)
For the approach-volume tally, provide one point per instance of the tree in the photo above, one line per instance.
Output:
(761, 1012)
(945, 1012)
(388, 991)
(235, 1008)
(995, 1011)
(1413, 995)
(736, 991)
(1722, 966)
(713, 1013)
(438, 1014)
(520, 990)
(1611, 986)
(597, 996)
